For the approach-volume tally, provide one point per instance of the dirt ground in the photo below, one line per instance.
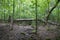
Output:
(20, 32)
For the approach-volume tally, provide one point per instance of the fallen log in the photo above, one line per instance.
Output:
(42, 20)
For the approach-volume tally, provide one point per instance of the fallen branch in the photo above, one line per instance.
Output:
(50, 22)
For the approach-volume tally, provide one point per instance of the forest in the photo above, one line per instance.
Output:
(29, 19)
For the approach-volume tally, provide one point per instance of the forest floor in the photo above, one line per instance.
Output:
(26, 32)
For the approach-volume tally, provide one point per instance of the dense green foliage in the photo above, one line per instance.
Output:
(26, 9)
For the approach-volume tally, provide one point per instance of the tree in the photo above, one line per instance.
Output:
(47, 17)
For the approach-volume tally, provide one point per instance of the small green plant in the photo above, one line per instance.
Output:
(33, 24)
(33, 31)
(48, 39)
(22, 33)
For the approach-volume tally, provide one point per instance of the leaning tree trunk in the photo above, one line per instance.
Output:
(47, 17)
